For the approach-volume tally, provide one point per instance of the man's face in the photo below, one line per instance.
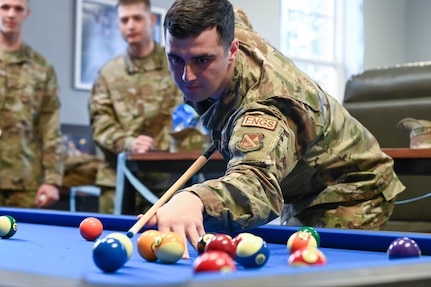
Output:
(200, 66)
(136, 23)
(13, 13)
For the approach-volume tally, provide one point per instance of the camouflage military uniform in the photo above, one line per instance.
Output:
(132, 97)
(291, 150)
(30, 139)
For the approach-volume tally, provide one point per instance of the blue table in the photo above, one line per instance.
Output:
(47, 250)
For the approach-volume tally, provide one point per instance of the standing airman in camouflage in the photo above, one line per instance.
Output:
(292, 150)
(31, 151)
(132, 100)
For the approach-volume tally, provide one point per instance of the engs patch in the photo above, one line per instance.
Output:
(250, 142)
(260, 122)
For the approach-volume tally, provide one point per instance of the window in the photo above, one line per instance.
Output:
(314, 36)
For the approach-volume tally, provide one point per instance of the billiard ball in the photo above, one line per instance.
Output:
(146, 242)
(299, 240)
(8, 226)
(125, 240)
(91, 228)
(307, 256)
(221, 242)
(169, 247)
(202, 242)
(109, 254)
(313, 232)
(214, 261)
(403, 247)
(252, 252)
(237, 239)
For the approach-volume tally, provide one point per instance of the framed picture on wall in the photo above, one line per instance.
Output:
(98, 38)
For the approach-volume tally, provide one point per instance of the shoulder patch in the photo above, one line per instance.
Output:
(259, 122)
(250, 142)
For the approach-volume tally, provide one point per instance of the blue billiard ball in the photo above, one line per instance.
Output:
(403, 247)
(252, 252)
(109, 254)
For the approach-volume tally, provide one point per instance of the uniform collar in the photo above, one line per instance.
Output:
(23, 54)
(154, 61)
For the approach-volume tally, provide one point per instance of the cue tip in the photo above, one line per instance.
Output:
(130, 234)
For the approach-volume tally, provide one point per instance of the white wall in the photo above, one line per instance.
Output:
(384, 32)
(396, 31)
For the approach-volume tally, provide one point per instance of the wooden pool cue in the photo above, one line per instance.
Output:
(187, 175)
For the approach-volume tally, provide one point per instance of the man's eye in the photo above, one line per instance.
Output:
(202, 60)
(175, 60)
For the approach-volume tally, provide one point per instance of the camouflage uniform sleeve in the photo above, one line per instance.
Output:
(249, 194)
(48, 126)
(241, 19)
(107, 131)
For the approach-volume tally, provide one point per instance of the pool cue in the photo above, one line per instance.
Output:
(192, 170)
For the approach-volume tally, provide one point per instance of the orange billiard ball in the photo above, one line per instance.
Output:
(146, 244)
(169, 247)
(91, 228)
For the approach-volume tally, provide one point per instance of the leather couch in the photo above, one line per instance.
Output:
(379, 98)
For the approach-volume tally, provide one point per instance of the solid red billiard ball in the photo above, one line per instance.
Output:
(169, 247)
(221, 242)
(307, 256)
(91, 228)
(299, 240)
(403, 247)
(313, 232)
(109, 254)
(202, 242)
(252, 252)
(8, 226)
(214, 261)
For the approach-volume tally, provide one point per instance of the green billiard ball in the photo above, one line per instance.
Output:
(313, 232)
(8, 226)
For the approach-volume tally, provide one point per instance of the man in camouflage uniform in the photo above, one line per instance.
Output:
(132, 101)
(292, 150)
(31, 160)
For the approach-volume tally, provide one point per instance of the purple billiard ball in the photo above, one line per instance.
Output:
(403, 247)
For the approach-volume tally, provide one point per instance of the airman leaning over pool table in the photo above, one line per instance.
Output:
(292, 149)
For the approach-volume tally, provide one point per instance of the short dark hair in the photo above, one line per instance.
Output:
(147, 3)
(189, 18)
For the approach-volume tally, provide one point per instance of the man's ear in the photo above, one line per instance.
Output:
(233, 50)
(153, 20)
(27, 13)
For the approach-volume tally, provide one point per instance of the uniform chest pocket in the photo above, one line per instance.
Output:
(24, 99)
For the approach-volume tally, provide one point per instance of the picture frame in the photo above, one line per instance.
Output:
(98, 38)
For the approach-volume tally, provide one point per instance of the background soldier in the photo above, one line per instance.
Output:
(132, 101)
(31, 163)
